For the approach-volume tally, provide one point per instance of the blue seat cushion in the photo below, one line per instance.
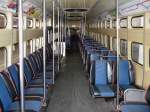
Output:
(135, 108)
(34, 91)
(124, 72)
(40, 81)
(29, 105)
(101, 72)
(124, 87)
(105, 90)
(49, 75)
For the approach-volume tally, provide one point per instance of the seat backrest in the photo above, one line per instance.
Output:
(101, 72)
(92, 73)
(28, 72)
(9, 84)
(94, 57)
(124, 72)
(5, 98)
(112, 57)
(33, 63)
(131, 73)
(14, 74)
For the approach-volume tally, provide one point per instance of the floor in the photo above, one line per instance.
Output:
(71, 92)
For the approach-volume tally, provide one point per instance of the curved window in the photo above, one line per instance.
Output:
(137, 52)
(123, 47)
(137, 22)
(3, 21)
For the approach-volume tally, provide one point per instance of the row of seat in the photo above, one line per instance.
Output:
(33, 86)
(100, 63)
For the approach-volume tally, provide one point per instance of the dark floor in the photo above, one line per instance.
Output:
(71, 91)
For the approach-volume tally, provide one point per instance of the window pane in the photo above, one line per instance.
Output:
(137, 22)
(124, 23)
(15, 57)
(29, 23)
(137, 52)
(3, 21)
(114, 44)
(123, 47)
(28, 47)
(3, 57)
(15, 22)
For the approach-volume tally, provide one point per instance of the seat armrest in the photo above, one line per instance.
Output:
(134, 95)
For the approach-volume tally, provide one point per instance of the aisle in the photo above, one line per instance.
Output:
(71, 92)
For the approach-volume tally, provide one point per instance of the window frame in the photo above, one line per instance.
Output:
(132, 52)
(5, 17)
(121, 20)
(113, 42)
(15, 17)
(132, 20)
(28, 26)
(120, 47)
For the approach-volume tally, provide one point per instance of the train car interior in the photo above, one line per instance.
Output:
(74, 56)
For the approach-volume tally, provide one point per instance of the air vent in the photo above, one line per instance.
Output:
(75, 10)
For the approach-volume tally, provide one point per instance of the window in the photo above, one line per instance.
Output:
(37, 24)
(137, 22)
(114, 24)
(123, 47)
(29, 23)
(123, 23)
(137, 52)
(15, 53)
(108, 42)
(3, 58)
(108, 24)
(37, 43)
(15, 22)
(103, 40)
(103, 24)
(114, 44)
(3, 21)
(28, 47)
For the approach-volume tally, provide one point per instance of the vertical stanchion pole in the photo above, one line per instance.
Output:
(53, 41)
(62, 35)
(85, 25)
(44, 52)
(117, 34)
(21, 53)
(61, 32)
(58, 43)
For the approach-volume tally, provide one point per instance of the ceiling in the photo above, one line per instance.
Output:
(95, 7)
